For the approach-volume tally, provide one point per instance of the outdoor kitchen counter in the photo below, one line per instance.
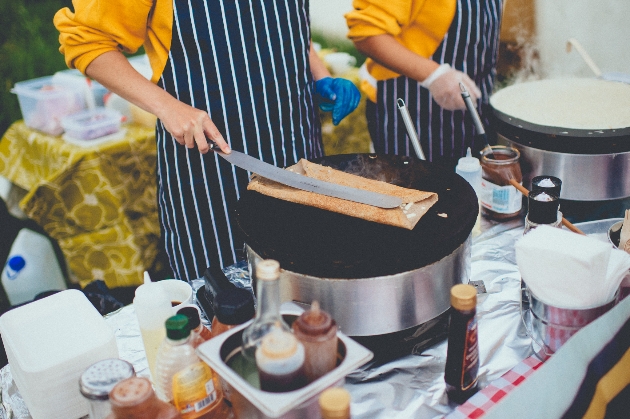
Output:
(412, 386)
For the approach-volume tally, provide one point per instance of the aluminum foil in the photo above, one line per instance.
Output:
(412, 386)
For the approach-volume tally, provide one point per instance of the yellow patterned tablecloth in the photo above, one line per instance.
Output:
(98, 202)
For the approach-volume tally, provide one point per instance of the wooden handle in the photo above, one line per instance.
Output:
(565, 222)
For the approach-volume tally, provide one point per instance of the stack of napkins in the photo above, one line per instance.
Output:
(567, 270)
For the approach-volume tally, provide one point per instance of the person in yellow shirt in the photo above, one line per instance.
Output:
(240, 73)
(420, 50)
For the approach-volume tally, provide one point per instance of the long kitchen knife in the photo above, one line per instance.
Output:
(306, 183)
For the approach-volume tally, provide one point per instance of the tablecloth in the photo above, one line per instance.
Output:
(99, 202)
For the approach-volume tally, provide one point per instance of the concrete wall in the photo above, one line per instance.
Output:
(327, 16)
(601, 26)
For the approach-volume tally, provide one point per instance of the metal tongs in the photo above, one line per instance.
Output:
(411, 130)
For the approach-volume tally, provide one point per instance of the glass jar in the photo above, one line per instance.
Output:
(543, 209)
(98, 380)
(499, 199)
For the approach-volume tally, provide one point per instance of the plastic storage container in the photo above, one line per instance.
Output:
(44, 103)
(31, 268)
(49, 344)
(92, 123)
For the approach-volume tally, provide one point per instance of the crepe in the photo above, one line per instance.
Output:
(415, 203)
(572, 103)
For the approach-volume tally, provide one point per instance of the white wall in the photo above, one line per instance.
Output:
(327, 16)
(601, 26)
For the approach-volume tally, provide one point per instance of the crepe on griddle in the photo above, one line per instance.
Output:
(415, 203)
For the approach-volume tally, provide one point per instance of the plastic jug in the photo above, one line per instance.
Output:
(32, 267)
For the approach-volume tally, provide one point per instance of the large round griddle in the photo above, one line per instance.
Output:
(324, 244)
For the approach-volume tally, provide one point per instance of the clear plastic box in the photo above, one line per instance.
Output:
(49, 343)
(92, 123)
(44, 103)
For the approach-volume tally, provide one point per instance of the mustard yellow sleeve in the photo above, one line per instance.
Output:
(377, 17)
(99, 26)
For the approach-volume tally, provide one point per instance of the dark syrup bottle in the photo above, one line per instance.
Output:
(462, 356)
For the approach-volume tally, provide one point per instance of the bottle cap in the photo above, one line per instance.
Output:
(278, 344)
(314, 322)
(547, 183)
(234, 306)
(17, 263)
(131, 392)
(177, 327)
(334, 403)
(468, 163)
(268, 270)
(192, 313)
(99, 378)
(463, 297)
(542, 207)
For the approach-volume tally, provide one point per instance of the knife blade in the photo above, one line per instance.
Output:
(305, 183)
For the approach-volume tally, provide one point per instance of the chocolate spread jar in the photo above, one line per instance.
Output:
(499, 199)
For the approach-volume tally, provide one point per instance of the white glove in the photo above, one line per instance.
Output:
(443, 84)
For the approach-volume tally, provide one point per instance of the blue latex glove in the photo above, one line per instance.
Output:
(340, 96)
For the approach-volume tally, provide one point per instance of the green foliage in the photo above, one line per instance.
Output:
(29, 48)
(338, 44)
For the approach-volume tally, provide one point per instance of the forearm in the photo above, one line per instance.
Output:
(112, 70)
(387, 51)
(318, 68)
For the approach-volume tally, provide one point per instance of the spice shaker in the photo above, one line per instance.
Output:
(317, 331)
(98, 380)
(462, 355)
(549, 184)
(543, 209)
(499, 199)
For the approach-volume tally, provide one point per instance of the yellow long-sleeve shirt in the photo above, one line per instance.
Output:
(419, 25)
(99, 26)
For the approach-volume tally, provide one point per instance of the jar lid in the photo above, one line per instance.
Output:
(268, 270)
(334, 403)
(192, 313)
(100, 378)
(547, 183)
(463, 297)
(131, 392)
(542, 207)
(235, 306)
(177, 327)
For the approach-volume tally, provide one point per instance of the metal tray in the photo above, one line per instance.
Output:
(301, 403)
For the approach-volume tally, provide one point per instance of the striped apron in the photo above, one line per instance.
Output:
(470, 45)
(245, 62)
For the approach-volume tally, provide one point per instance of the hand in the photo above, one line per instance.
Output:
(443, 84)
(340, 96)
(190, 126)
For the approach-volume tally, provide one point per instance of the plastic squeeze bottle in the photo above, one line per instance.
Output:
(318, 333)
(280, 362)
(199, 333)
(134, 398)
(469, 168)
(181, 377)
(153, 307)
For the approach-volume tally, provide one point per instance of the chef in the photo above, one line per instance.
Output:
(420, 50)
(240, 73)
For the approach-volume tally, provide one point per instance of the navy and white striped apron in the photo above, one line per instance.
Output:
(246, 63)
(471, 46)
